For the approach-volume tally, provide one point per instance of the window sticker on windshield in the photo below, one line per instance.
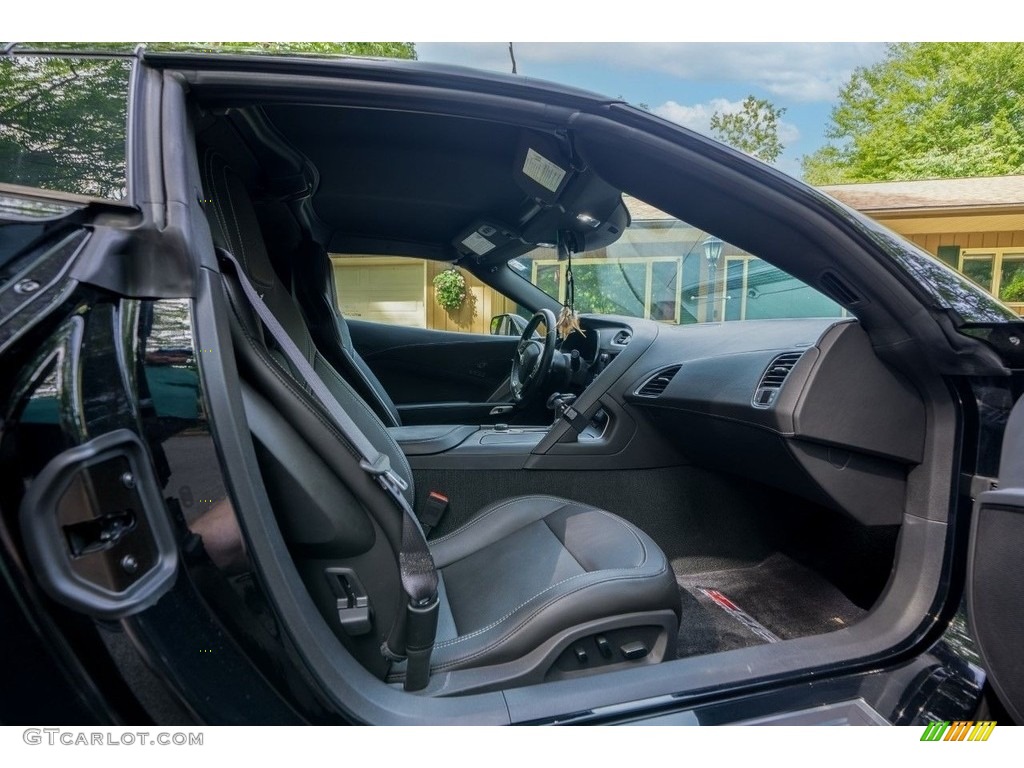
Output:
(478, 244)
(542, 170)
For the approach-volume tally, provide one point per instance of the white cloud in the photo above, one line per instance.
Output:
(697, 117)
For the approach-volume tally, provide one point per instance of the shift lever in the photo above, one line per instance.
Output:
(558, 402)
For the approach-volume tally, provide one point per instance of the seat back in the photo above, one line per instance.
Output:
(342, 531)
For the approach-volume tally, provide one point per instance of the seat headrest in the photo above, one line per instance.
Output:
(233, 220)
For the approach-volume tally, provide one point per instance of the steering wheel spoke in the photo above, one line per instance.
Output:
(531, 362)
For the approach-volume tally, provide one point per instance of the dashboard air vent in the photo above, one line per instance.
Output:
(656, 384)
(773, 377)
(622, 338)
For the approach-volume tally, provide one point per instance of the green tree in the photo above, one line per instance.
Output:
(928, 110)
(381, 50)
(754, 129)
(63, 123)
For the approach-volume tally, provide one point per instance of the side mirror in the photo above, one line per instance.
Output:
(508, 325)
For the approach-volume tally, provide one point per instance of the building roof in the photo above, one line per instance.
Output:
(989, 194)
(641, 211)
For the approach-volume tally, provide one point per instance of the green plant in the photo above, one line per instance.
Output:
(1014, 289)
(450, 289)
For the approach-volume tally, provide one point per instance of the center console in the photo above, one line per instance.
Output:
(595, 431)
(446, 446)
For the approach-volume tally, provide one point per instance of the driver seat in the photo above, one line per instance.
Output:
(532, 588)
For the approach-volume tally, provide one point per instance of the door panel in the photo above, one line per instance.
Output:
(417, 365)
(995, 576)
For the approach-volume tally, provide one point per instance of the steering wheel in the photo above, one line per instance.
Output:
(531, 361)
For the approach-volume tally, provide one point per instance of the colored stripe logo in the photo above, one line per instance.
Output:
(723, 602)
(960, 730)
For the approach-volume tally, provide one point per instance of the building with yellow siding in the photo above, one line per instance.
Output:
(974, 225)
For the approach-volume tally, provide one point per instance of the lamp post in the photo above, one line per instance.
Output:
(712, 253)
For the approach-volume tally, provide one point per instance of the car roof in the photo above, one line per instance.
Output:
(388, 175)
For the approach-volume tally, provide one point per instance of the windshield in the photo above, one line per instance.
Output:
(962, 292)
(664, 269)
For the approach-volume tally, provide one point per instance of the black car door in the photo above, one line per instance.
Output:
(436, 375)
(995, 576)
(439, 364)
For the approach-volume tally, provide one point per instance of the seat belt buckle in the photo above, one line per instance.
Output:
(437, 505)
(420, 629)
(576, 420)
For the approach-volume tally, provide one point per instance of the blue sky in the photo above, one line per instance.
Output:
(688, 82)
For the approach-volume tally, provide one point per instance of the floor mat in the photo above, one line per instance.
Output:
(777, 599)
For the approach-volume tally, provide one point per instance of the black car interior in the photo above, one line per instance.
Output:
(590, 578)
(698, 492)
(225, 501)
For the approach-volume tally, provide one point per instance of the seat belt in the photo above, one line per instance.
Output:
(415, 563)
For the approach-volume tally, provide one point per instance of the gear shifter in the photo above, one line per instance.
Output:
(558, 402)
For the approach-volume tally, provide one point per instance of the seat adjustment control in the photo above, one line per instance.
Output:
(355, 615)
(634, 650)
(603, 646)
(581, 654)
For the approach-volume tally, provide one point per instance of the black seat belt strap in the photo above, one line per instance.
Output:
(576, 420)
(416, 564)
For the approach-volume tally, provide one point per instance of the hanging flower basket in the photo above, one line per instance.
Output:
(450, 289)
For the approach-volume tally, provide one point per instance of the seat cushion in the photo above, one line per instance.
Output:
(526, 569)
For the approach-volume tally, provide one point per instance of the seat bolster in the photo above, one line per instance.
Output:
(622, 572)
(388, 411)
(572, 603)
(446, 628)
(493, 523)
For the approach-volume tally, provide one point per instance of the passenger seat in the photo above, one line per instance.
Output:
(532, 588)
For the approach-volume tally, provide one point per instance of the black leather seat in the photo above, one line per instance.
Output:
(531, 588)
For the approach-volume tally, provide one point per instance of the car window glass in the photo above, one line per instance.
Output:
(419, 293)
(63, 124)
(664, 269)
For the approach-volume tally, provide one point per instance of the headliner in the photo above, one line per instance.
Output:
(402, 176)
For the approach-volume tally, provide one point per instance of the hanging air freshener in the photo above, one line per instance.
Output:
(568, 319)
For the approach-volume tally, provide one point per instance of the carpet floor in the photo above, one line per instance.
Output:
(776, 599)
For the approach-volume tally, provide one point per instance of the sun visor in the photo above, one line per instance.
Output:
(541, 167)
(484, 240)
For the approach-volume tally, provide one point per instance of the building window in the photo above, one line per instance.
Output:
(649, 287)
(1000, 271)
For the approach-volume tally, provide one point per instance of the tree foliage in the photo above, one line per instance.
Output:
(754, 129)
(928, 110)
(63, 124)
(381, 50)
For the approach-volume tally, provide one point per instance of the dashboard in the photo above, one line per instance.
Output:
(590, 352)
(800, 404)
(803, 405)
